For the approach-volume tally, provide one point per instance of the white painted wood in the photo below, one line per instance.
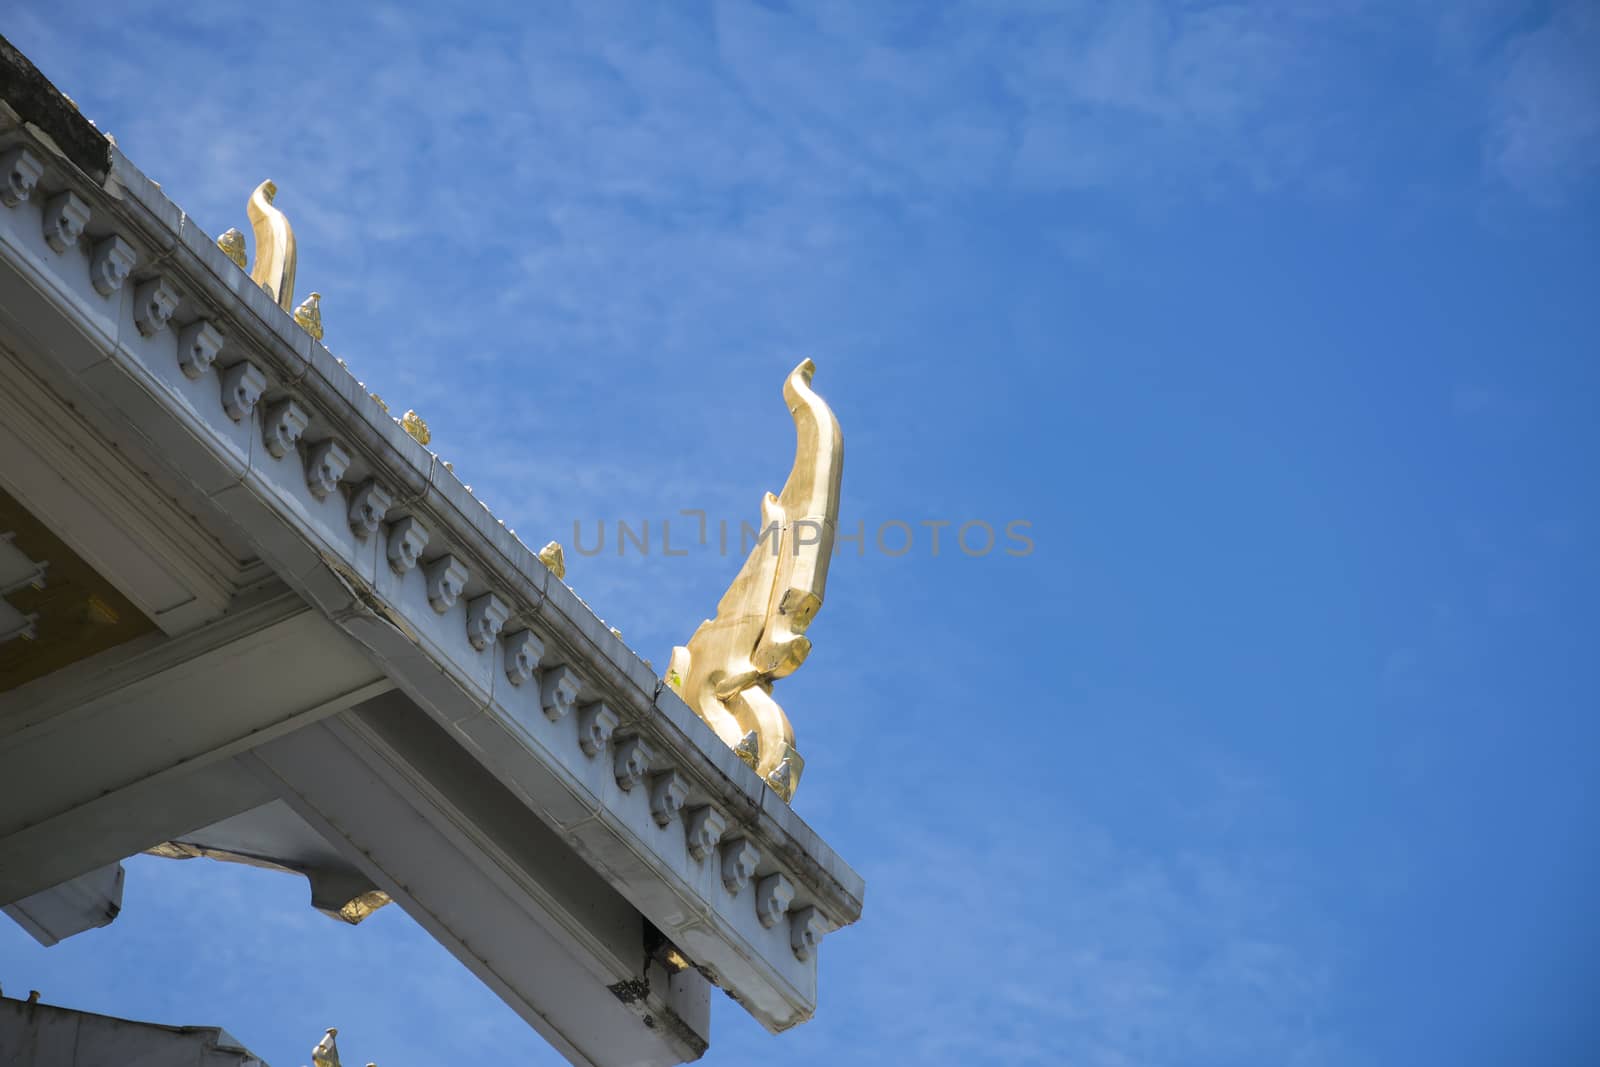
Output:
(98, 764)
(87, 902)
(413, 617)
(95, 499)
(130, 820)
(498, 905)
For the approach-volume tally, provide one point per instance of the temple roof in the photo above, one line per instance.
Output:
(465, 680)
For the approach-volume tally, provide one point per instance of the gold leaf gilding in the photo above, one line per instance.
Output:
(309, 315)
(275, 251)
(418, 429)
(554, 557)
(726, 671)
(232, 245)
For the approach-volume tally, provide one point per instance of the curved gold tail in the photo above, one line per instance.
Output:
(274, 266)
(810, 505)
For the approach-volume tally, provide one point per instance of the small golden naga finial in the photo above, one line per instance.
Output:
(232, 245)
(326, 1053)
(748, 748)
(726, 672)
(553, 557)
(309, 315)
(412, 423)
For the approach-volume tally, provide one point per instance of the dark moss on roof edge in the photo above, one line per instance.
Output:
(32, 96)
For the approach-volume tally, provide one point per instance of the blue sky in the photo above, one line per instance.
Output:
(1276, 322)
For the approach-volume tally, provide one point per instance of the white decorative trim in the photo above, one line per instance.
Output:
(558, 689)
(486, 616)
(198, 345)
(285, 421)
(20, 171)
(110, 264)
(631, 761)
(153, 304)
(447, 576)
(65, 216)
(596, 723)
(523, 650)
(667, 793)
(704, 827)
(242, 385)
(774, 894)
(739, 859)
(806, 929)
(553, 780)
(407, 539)
(368, 505)
(326, 462)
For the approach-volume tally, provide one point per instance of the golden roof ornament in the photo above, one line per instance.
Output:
(726, 671)
(275, 257)
(358, 907)
(412, 423)
(309, 315)
(232, 245)
(555, 558)
(748, 748)
(274, 271)
(275, 254)
(326, 1052)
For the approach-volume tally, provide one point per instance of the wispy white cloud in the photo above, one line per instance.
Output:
(1000, 934)
(509, 216)
(1545, 121)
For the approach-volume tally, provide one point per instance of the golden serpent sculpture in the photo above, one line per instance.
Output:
(726, 671)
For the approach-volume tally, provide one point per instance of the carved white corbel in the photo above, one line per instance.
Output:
(667, 793)
(558, 689)
(285, 421)
(631, 761)
(704, 826)
(806, 929)
(486, 616)
(524, 650)
(65, 216)
(739, 859)
(596, 724)
(407, 539)
(20, 171)
(774, 894)
(153, 304)
(198, 345)
(447, 576)
(368, 505)
(326, 462)
(242, 385)
(110, 264)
